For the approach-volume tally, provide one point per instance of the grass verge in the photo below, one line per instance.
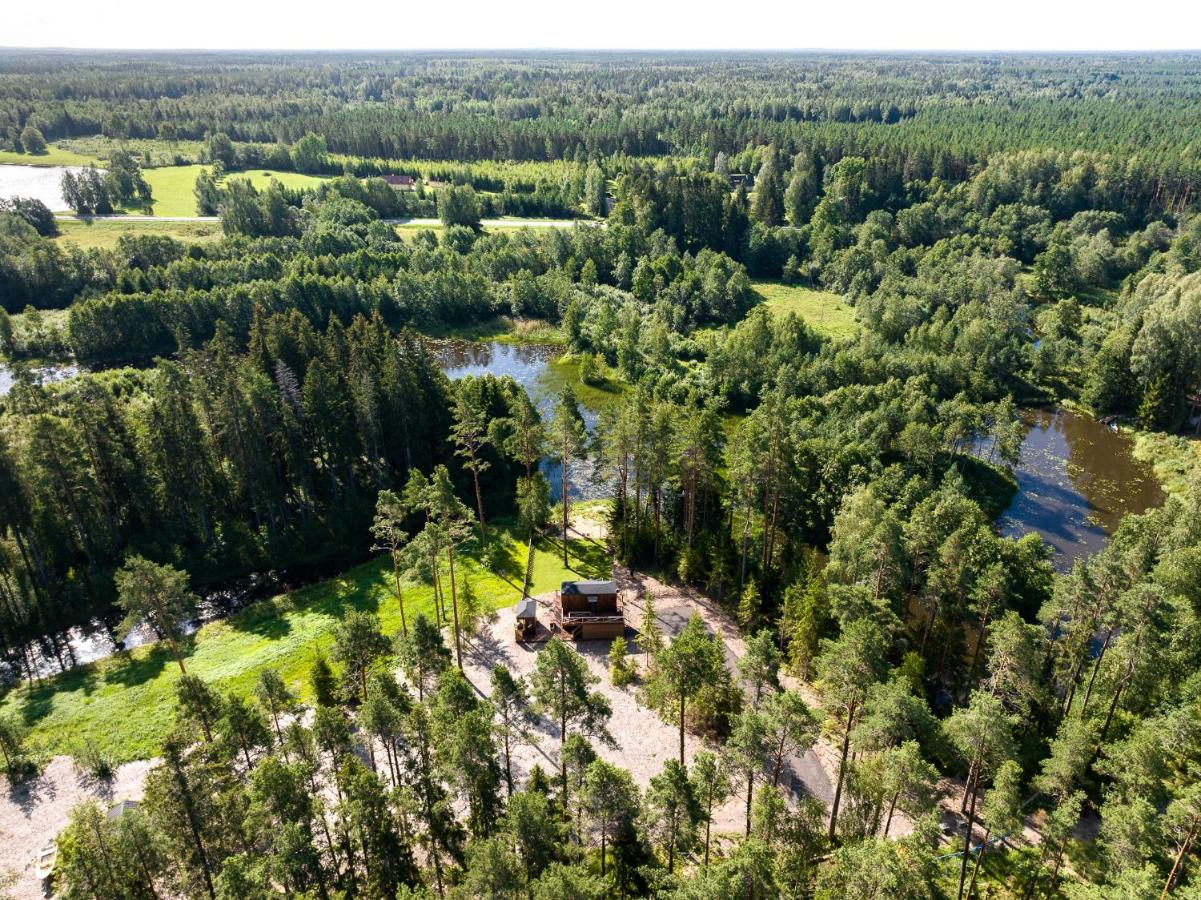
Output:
(125, 704)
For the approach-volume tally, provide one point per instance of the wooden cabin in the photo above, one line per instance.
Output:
(525, 625)
(589, 611)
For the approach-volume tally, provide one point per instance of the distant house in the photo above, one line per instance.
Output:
(741, 179)
(401, 182)
(589, 611)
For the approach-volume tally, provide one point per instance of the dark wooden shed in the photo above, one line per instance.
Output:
(526, 624)
(589, 610)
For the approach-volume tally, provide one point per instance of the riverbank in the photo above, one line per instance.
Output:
(1175, 459)
(124, 704)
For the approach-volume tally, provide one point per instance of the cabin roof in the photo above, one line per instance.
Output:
(588, 587)
(120, 809)
(527, 608)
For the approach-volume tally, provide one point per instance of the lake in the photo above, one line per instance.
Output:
(533, 366)
(39, 182)
(1076, 479)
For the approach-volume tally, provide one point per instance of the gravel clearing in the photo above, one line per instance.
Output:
(643, 741)
(33, 812)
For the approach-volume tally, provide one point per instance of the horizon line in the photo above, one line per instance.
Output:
(614, 50)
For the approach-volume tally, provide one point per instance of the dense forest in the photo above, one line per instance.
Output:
(1011, 231)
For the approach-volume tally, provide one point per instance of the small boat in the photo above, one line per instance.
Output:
(46, 859)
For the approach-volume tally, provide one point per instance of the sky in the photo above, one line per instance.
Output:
(610, 24)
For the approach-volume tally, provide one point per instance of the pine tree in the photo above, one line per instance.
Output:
(561, 688)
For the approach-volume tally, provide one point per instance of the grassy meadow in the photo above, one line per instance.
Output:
(54, 156)
(124, 705)
(825, 313)
(173, 187)
(104, 233)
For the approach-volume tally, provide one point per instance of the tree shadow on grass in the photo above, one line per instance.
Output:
(501, 557)
(588, 559)
(130, 671)
(265, 619)
(37, 702)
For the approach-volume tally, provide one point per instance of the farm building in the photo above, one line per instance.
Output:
(400, 181)
(589, 610)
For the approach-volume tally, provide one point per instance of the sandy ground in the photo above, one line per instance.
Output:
(33, 812)
(643, 741)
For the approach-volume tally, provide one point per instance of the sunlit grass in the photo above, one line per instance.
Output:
(125, 704)
(54, 156)
(104, 233)
(825, 313)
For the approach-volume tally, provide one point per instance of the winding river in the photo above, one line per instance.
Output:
(1076, 477)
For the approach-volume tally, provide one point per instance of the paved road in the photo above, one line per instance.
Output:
(419, 223)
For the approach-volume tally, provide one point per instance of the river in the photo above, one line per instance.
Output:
(533, 366)
(45, 373)
(1076, 479)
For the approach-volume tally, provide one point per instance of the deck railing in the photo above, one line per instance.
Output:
(584, 617)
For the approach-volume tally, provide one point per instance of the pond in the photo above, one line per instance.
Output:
(44, 373)
(39, 182)
(536, 368)
(1076, 479)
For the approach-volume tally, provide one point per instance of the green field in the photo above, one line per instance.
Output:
(825, 313)
(173, 187)
(54, 156)
(124, 704)
(103, 233)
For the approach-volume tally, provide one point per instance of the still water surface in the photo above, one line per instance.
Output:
(37, 182)
(1076, 479)
(530, 365)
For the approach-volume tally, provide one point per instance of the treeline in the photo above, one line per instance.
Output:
(926, 116)
(337, 259)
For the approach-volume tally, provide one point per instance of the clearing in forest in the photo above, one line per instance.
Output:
(826, 313)
(125, 704)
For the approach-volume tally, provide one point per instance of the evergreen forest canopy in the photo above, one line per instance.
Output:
(1011, 231)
